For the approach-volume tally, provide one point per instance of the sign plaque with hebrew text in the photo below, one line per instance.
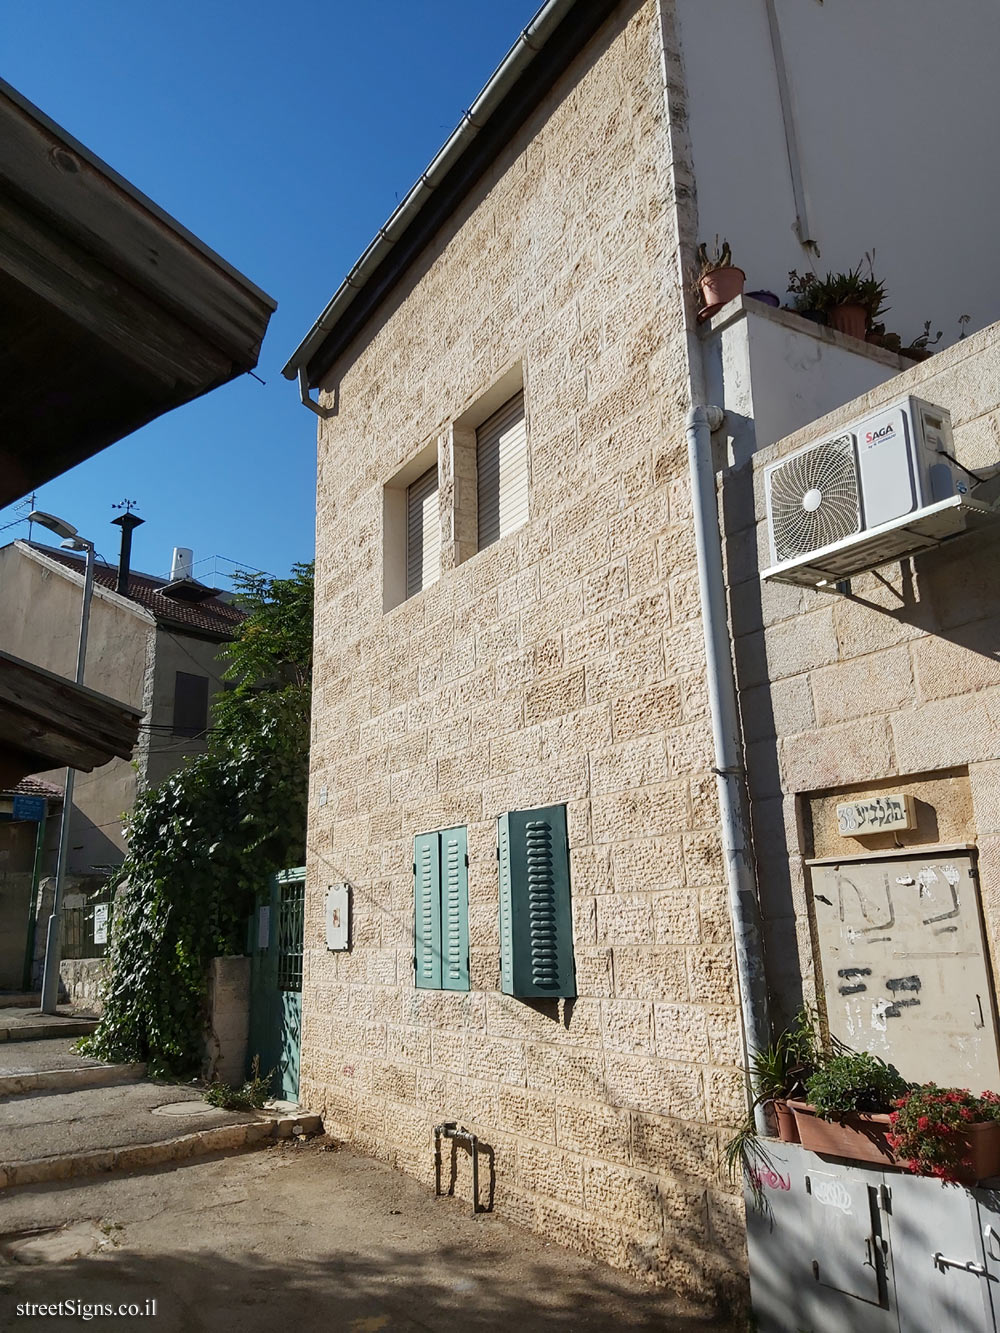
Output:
(876, 814)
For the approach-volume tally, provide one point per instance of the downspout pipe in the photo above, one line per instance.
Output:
(730, 771)
(305, 399)
(803, 229)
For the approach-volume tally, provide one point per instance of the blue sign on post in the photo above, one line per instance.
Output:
(29, 807)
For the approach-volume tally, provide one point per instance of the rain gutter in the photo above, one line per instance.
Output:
(556, 34)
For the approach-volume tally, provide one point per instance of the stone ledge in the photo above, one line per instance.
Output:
(64, 1080)
(136, 1156)
(58, 1027)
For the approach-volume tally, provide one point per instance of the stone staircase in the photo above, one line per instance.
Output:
(64, 1116)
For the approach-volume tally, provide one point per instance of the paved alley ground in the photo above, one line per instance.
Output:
(298, 1237)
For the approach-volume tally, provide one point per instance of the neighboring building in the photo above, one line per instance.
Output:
(879, 693)
(157, 647)
(510, 659)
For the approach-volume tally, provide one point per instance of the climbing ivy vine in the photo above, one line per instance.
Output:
(202, 844)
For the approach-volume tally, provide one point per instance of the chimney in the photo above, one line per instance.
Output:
(181, 565)
(127, 522)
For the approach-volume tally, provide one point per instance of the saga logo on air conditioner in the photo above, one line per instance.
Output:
(874, 437)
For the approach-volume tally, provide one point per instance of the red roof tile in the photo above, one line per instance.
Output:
(211, 616)
(36, 787)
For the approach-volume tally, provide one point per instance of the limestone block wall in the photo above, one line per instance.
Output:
(895, 687)
(564, 664)
(83, 981)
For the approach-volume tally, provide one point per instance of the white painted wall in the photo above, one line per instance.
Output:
(896, 110)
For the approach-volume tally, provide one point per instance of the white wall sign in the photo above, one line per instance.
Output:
(101, 923)
(264, 928)
(876, 814)
(338, 900)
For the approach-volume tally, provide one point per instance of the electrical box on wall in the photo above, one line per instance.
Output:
(905, 969)
(338, 917)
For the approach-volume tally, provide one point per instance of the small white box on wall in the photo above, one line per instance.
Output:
(338, 916)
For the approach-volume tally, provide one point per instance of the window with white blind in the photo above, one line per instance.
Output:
(502, 472)
(423, 532)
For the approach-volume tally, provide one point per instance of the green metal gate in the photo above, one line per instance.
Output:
(276, 981)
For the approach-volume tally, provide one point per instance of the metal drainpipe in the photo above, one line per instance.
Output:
(303, 381)
(729, 768)
(802, 228)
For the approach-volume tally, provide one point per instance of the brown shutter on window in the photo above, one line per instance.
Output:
(190, 704)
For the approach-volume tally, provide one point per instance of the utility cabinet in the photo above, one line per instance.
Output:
(841, 1247)
(904, 963)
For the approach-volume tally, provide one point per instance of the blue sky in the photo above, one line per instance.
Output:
(283, 136)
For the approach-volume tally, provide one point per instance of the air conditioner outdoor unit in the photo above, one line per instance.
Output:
(883, 487)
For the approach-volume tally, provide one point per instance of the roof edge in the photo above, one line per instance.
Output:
(509, 95)
(77, 576)
(136, 195)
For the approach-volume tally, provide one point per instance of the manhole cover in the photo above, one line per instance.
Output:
(183, 1108)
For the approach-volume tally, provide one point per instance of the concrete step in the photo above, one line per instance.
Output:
(92, 1075)
(65, 1134)
(19, 999)
(18, 1023)
(28, 1057)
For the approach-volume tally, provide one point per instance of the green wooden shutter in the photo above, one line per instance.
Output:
(536, 922)
(506, 907)
(427, 910)
(454, 910)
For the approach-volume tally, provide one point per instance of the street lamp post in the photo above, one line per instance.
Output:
(50, 975)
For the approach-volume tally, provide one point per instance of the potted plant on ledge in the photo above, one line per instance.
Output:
(781, 1071)
(719, 279)
(846, 1114)
(776, 1073)
(848, 302)
(947, 1132)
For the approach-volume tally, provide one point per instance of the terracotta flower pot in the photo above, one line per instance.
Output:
(849, 319)
(722, 284)
(980, 1145)
(784, 1116)
(855, 1134)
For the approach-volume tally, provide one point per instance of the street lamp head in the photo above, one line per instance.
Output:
(76, 544)
(57, 525)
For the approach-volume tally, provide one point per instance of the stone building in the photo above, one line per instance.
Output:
(157, 647)
(509, 640)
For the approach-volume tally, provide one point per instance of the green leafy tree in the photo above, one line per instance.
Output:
(202, 843)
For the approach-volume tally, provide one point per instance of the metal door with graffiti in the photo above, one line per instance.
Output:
(276, 981)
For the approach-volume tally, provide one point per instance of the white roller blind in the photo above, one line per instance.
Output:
(502, 470)
(423, 533)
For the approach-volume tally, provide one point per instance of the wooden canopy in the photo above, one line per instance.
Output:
(111, 313)
(49, 722)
